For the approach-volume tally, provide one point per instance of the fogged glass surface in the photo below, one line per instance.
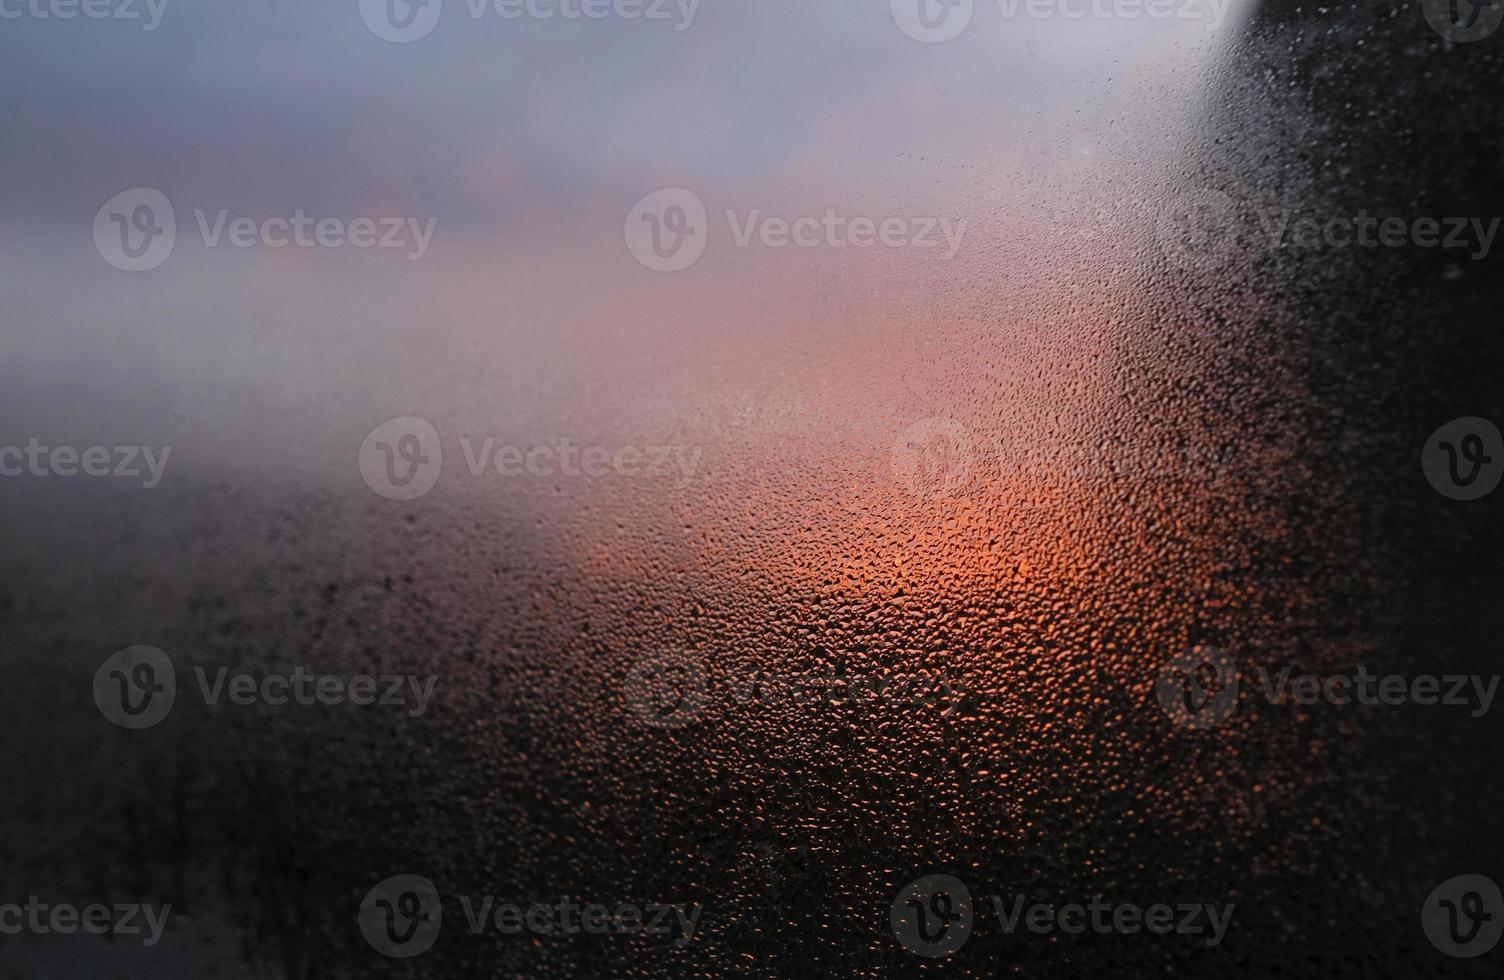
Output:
(829, 477)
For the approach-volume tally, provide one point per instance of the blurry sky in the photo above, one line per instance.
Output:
(526, 142)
